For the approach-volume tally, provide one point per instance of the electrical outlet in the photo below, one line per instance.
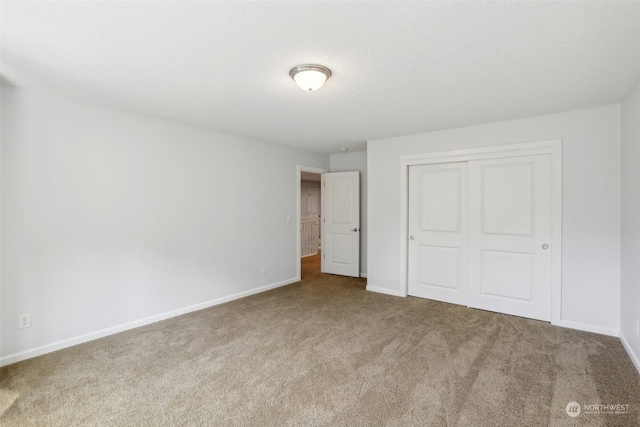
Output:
(264, 269)
(24, 320)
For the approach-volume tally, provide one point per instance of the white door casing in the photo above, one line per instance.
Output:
(510, 236)
(438, 232)
(340, 225)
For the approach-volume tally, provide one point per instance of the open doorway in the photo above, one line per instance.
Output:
(309, 220)
(337, 224)
(310, 228)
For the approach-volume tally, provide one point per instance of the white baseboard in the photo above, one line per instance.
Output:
(635, 358)
(69, 342)
(363, 275)
(587, 327)
(385, 291)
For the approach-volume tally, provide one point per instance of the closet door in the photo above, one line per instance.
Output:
(510, 236)
(438, 232)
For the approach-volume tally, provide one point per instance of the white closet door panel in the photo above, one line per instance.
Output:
(510, 235)
(437, 230)
(507, 274)
(439, 266)
(440, 194)
(507, 199)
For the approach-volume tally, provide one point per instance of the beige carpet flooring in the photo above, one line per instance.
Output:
(326, 352)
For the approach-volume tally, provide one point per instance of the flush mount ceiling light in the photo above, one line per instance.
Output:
(310, 76)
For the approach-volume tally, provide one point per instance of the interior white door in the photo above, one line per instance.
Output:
(510, 236)
(341, 223)
(438, 232)
(313, 202)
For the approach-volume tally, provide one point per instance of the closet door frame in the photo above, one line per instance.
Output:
(552, 147)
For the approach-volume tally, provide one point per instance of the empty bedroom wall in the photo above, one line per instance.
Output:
(590, 204)
(111, 220)
(630, 280)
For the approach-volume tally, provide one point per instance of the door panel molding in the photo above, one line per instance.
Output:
(509, 222)
(438, 227)
(552, 147)
(493, 221)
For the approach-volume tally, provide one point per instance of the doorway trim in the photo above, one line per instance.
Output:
(300, 169)
(552, 147)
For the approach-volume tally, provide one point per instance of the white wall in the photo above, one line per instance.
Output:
(591, 205)
(304, 196)
(111, 220)
(356, 161)
(630, 280)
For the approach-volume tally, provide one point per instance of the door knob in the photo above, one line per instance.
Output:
(355, 229)
(545, 246)
(411, 237)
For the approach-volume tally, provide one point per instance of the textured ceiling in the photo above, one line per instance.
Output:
(398, 67)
